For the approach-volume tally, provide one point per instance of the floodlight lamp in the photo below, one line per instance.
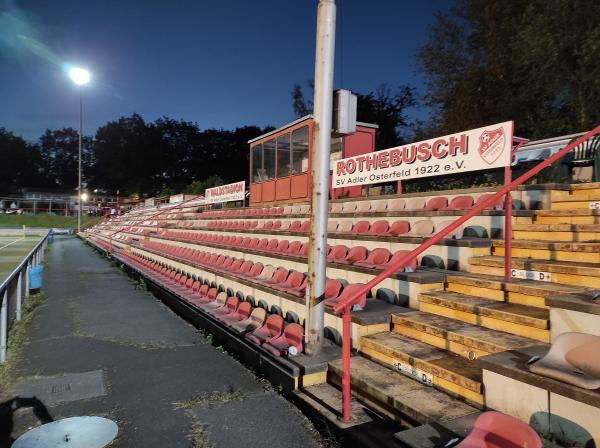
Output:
(79, 76)
(84, 197)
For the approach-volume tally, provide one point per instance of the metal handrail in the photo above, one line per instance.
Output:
(21, 265)
(4, 288)
(345, 306)
(167, 209)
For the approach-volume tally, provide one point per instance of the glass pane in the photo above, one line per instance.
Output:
(269, 159)
(283, 155)
(337, 145)
(257, 162)
(300, 150)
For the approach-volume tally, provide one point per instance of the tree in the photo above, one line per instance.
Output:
(21, 164)
(534, 61)
(383, 107)
(60, 153)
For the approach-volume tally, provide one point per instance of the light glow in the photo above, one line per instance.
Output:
(84, 197)
(80, 76)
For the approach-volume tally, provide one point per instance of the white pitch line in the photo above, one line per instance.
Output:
(12, 242)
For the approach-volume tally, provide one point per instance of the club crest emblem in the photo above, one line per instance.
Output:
(491, 145)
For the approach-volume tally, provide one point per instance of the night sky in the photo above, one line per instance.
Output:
(221, 63)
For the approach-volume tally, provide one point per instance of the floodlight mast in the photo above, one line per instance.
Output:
(320, 154)
(80, 77)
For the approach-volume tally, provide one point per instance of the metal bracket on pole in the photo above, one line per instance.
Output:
(320, 154)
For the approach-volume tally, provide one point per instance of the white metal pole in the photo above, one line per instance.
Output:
(79, 170)
(28, 266)
(3, 326)
(320, 153)
(19, 293)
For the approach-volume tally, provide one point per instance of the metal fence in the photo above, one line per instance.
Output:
(14, 288)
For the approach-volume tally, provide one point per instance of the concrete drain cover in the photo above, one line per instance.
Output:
(64, 388)
(74, 432)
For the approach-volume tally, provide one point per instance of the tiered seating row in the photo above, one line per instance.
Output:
(378, 258)
(277, 278)
(269, 331)
(425, 227)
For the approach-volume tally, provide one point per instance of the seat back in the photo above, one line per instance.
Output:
(462, 202)
(399, 227)
(243, 310)
(256, 269)
(220, 298)
(344, 226)
(396, 205)
(332, 225)
(274, 324)
(361, 227)
(258, 316)
(336, 207)
(282, 246)
(294, 335)
(294, 247)
(332, 288)
(266, 273)
(415, 204)
(401, 253)
(338, 252)
(422, 228)
(378, 256)
(380, 227)
(495, 429)
(357, 253)
(437, 203)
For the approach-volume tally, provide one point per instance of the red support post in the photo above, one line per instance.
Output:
(346, 349)
(507, 226)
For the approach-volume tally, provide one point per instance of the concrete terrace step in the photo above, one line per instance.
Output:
(469, 341)
(563, 272)
(557, 232)
(527, 321)
(517, 291)
(444, 370)
(578, 216)
(396, 395)
(587, 252)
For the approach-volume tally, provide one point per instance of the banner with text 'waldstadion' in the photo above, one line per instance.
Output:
(225, 193)
(474, 150)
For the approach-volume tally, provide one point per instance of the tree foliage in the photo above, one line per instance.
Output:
(384, 107)
(534, 61)
(20, 164)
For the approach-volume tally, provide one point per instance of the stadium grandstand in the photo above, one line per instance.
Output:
(446, 300)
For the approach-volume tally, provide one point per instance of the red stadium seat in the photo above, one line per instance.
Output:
(361, 228)
(282, 246)
(381, 227)
(460, 203)
(272, 246)
(271, 329)
(397, 256)
(498, 204)
(279, 276)
(293, 281)
(292, 336)
(377, 258)
(242, 313)
(294, 248)
(437, 203)
(295, 226)
(347, 292)
(357, 253)
(305, 227)
(332, 288)
(497, 430)
(229, 307)
(338, 252)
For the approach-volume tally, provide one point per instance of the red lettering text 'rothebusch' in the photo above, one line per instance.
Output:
(405, 155)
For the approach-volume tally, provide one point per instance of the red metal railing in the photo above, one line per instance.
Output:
(345, 306)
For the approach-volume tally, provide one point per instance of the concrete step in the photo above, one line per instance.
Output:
(467, 340)
(557, 232)
(399, 397)
(547, 250)
(562, 272)
(521, 320)
(583, 199)
(581, 216)
(516, 291)
(430, 365)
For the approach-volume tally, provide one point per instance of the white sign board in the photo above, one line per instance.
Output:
(474, 150)
(225, 193)
(149, 203)
(531, 275)
(413, 372)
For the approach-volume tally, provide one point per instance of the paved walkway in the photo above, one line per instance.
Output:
(98, 346)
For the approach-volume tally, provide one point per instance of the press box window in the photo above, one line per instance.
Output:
(283, 155)
(300, 150)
